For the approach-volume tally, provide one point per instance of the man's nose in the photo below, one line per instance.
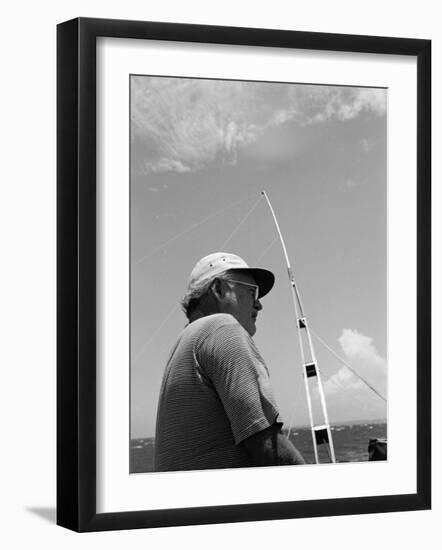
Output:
(257, 305)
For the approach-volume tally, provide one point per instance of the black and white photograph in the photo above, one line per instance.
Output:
(258, 274)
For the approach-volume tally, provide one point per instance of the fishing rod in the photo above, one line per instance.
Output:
(321, 433)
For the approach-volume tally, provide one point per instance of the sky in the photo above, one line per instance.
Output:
(201, 153)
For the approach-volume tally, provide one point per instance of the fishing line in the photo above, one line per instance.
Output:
(176, 307)
(240, 224)
(187, 230)
(265, 251)
(156, 331)
(347, 365)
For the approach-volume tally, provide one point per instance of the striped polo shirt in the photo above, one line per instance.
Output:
(215, 393)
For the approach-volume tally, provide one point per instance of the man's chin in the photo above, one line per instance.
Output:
(251, 329)
(248, 324)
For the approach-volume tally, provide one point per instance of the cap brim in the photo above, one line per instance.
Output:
(263, 278)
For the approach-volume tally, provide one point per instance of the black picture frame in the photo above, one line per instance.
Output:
(77, 288)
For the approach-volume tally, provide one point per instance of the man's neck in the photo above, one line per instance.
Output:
(198, 313)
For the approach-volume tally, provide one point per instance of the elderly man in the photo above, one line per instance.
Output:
(216, 407)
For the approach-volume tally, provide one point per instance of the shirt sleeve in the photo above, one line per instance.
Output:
(230, 360)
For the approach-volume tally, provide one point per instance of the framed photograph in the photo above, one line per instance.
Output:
(243, 274)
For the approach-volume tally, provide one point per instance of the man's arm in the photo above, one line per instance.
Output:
(270, 447)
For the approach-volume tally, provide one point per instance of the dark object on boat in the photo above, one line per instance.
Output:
(377, 449)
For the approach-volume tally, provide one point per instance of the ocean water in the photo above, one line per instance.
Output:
(350, 443)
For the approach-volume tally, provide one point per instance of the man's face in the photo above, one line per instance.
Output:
(239, 300)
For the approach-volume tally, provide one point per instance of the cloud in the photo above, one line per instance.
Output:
(367, 145)
(182, 125)
(343, 380)
(168, 164)
(322, 103)
(360, 347)
(362, 356)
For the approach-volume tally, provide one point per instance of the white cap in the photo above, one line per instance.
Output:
(209, 267)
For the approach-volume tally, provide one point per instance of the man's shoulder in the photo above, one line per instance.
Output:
(215, 328)
(219, 329)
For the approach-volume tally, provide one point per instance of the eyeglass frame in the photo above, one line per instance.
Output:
(256, 287)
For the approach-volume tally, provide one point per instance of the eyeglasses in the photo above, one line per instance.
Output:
(255, 287)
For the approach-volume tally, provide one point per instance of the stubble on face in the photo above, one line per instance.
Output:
(240, 302)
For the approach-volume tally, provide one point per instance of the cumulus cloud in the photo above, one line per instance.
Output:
(360, 347)
(182, 125)
(362, 356)
(343, 380)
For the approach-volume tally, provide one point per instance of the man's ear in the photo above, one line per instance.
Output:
(217, 289)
